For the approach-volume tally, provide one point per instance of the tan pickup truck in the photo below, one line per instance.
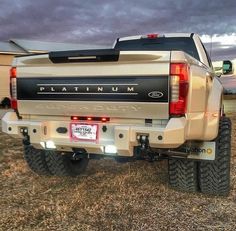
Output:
(150, 97)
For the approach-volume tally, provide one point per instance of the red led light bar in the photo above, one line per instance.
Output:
(89, 118)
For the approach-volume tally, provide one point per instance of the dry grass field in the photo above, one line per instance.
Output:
(110, 196)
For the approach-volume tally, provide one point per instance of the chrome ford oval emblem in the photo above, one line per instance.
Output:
(155, 94)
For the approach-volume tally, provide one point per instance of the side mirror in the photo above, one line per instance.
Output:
(227, 67)
(218, 71)
(218, 74)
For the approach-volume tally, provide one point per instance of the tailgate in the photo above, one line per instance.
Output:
(127, 84)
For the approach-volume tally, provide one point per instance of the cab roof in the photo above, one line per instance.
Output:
(168, 35)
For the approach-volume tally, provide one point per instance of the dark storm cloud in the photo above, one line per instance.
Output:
(101, 22)
(219, 52)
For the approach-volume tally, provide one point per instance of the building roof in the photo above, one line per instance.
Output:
(23, 46)
(10, 48)
(33, 46)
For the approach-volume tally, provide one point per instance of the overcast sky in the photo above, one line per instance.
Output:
(101, 22)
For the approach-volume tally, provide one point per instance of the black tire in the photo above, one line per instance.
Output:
(36, 160)
(183, 174)
(62, 164)
(214, 176)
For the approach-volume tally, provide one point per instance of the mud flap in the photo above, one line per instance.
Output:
(201, 150)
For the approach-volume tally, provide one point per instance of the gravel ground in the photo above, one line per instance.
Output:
(110, 196)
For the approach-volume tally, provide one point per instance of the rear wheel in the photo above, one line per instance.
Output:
(183, 174)
(62, 164)
(36, 160)
(214, 176)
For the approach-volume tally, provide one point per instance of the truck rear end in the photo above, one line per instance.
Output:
(137, 100)
(98, 100)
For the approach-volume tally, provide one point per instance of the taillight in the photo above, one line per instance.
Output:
(88, 118)
(179, 83)
(13, 89)
(150, 36)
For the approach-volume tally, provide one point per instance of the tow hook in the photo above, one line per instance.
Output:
(145, 149)
(24, 132)
(143, 141)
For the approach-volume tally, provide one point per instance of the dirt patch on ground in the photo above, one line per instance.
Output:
(110, 196)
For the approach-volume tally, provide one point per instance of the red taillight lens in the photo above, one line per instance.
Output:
(104, 119)
(13, 88)
(14, 104)
(13, 72)
(84, 118)
(179, 83)
(152, 36)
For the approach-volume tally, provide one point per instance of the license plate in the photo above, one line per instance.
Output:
(84, 132)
